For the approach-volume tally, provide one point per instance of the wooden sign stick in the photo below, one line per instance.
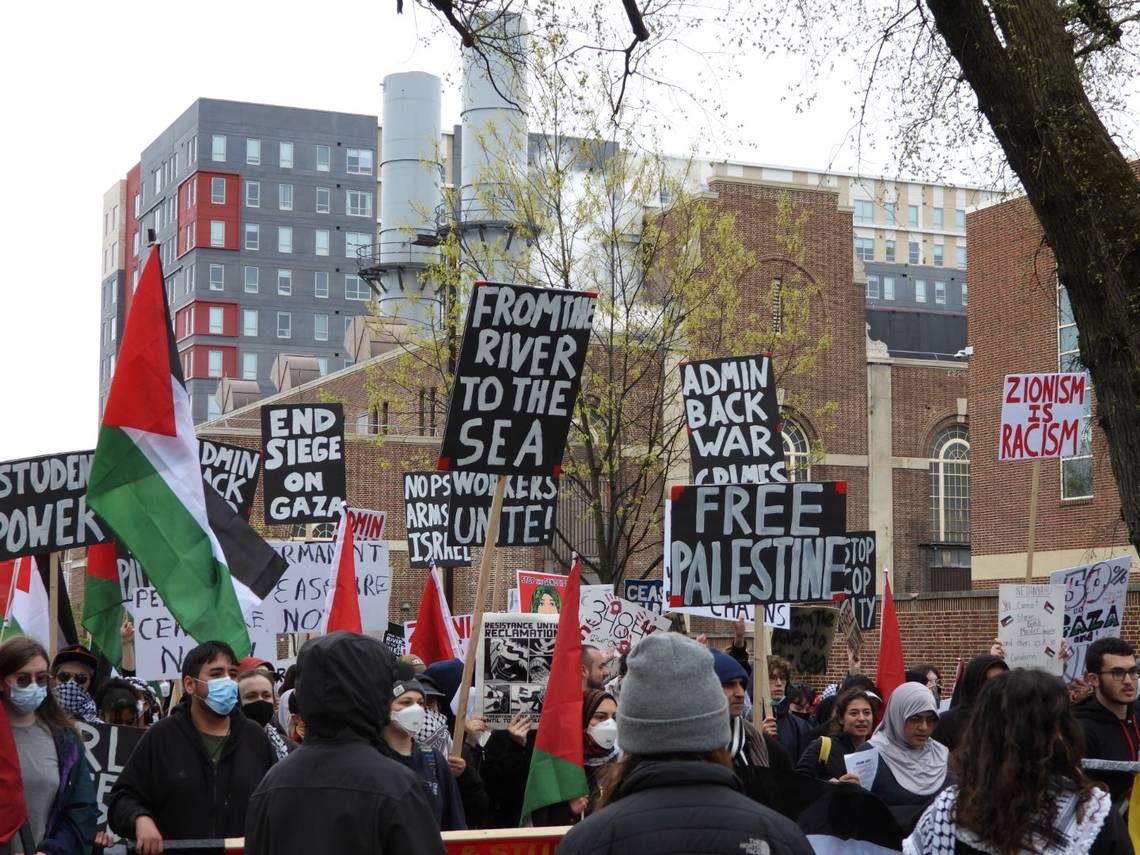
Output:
(53, 604)
(761, 691)
(1034, 489)
(476, 637)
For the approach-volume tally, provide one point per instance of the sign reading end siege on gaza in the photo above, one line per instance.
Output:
(231, 470)
(43, 505)
(527, 518)
(517, 378)
(732, 419)
(426, 497)
(1041, 415)
(304, 462)
(757, 543)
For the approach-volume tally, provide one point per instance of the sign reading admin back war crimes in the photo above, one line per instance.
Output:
(426, 498)
(518, 375)
(529, 502)
(860, 581)
(732, 418)
(108, 747)
(512, 666)
(304, 462)
(1094, 606)
(231, 470)
(1041, 415)
(43, 505)
(756, 543)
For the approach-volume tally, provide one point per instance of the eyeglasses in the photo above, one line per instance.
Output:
(1119, 674)
(68, 676)
(25, 680)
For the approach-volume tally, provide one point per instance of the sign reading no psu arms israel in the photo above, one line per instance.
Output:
(517, 378)
(757, 543)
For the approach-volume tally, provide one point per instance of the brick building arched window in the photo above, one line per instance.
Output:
(797, 451)
(949, 565)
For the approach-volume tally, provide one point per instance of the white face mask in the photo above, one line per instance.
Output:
(410, 719)
(604, 733)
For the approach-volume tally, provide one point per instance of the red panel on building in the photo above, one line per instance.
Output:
(209, 211)
(199, 363)
(195, 318)
(132, 260)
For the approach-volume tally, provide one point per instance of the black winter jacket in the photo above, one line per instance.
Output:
(689, 807)
(1109, 738)
(835, 767)
(339, 792)
(170, 778)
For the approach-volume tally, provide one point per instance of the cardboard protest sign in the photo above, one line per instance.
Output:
(1041, 415)
(808, 642)
(43, 505)
(646, 593)
(541, 593)
(462, 625)
(859, 577)
(1094, 606)
(108, 747)
(756, 543)
(231, 470)
(366, 524)
(512, 666)
(848, 626)
(614, 625)
(304, 462)
(517, 378)
(1030, 625)
(527, 518)
(297, 601)
(733, 421)
(426, 499)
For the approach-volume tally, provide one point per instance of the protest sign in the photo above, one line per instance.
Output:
(462, 625)
(304, 462)
(232, 470)
(500, 841)
(732, 419)
(513, 662)
(647, 593)
(1030, 625)
(131, 575)
(426, 498)
(108, 747)
(43, 505)
(541, 593)
(366, 524)
(394, 639)
(863, 765)
(1094, 606)
(849, 627)
(756, 543)
(527, 518)
(1041, 415)
(614, 625)
(807, 643)
(297, 601)
(517, 379)
(859, 577)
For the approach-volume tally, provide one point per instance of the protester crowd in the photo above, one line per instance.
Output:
(350, 750)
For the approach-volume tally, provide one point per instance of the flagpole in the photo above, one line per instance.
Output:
(53, 604)
(476, 637)
(761, 690)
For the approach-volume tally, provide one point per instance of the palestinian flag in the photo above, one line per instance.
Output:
(146, 483)
(24, 603)
(889, 674)
(103, 610)
(435, 638)
(13, 811)
(557, 772)
(342, 603)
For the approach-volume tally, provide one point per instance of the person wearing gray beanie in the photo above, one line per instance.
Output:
(674, 791)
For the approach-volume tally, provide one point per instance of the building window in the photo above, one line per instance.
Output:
(218, 191)
(253, 152)
(213, 408)
(135, 243)
(286, 151)
(217, 277)
(960, 219)
(217, 319)
(936, 213)
(950, 486)
(797, 451)
(1076, 471)
(888, 250)
(321, 327)
(249, 322)
(323, 365)
(864, 211)
(323, 196)
(913, 252)
(354, 241)
(217, 233)
(891, 210)
(965, 295)
(284, 325)
(249, 366)
(285, 283)
(938, 254)
(251, 280)
(322, 242)
(285, 239)
(359, 161)
(214, 363)
(873, 287)
(218, 149)
(355, 288)
(920, 290)
(888, 287)
(253, 194)
(323, 158)
(358, 203)
(912, 215)
(865, 248)
(960, 260)
(321, 284)
(285, 197)
(940, 293)
(252, 236)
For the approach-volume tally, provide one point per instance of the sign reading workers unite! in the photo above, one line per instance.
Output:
(1041, 415)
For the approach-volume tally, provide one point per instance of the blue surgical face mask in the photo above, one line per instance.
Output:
(26, 699)
(221, 695)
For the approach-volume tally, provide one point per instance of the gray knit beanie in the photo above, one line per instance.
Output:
(671, 700)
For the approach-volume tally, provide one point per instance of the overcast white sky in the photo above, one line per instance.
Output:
(88, 85)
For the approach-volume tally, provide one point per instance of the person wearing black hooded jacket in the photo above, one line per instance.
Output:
(952, 723)
(339, 792)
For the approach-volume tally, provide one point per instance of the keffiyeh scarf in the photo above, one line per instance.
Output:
(76, 701)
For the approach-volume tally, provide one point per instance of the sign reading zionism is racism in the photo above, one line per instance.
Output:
(1041, 415)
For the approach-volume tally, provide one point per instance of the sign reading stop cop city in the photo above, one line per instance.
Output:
(1041, 415)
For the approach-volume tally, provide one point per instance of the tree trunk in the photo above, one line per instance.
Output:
(1084, 193)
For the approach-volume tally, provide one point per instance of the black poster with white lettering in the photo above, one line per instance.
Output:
(733, 421)
(527, 518)
(108, 747)
(304, 462)
(231, 470)
(43, 505)
(860, 579)
(426, 498)
(519, 371)
(756, 543)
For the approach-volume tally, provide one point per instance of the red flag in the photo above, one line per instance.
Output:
(342, 606)
(434, 639)
(13, 811)
(891, 671)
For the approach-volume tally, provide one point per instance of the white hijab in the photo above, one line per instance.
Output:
(920, 770)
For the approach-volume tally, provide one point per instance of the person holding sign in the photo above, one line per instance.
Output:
(1108, 716)
(914, 767)
(853, 718)
(58, 789)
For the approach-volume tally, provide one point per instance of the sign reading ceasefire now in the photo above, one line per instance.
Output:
(1041, 415)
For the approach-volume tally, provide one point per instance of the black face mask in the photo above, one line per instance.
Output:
(259, 711)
